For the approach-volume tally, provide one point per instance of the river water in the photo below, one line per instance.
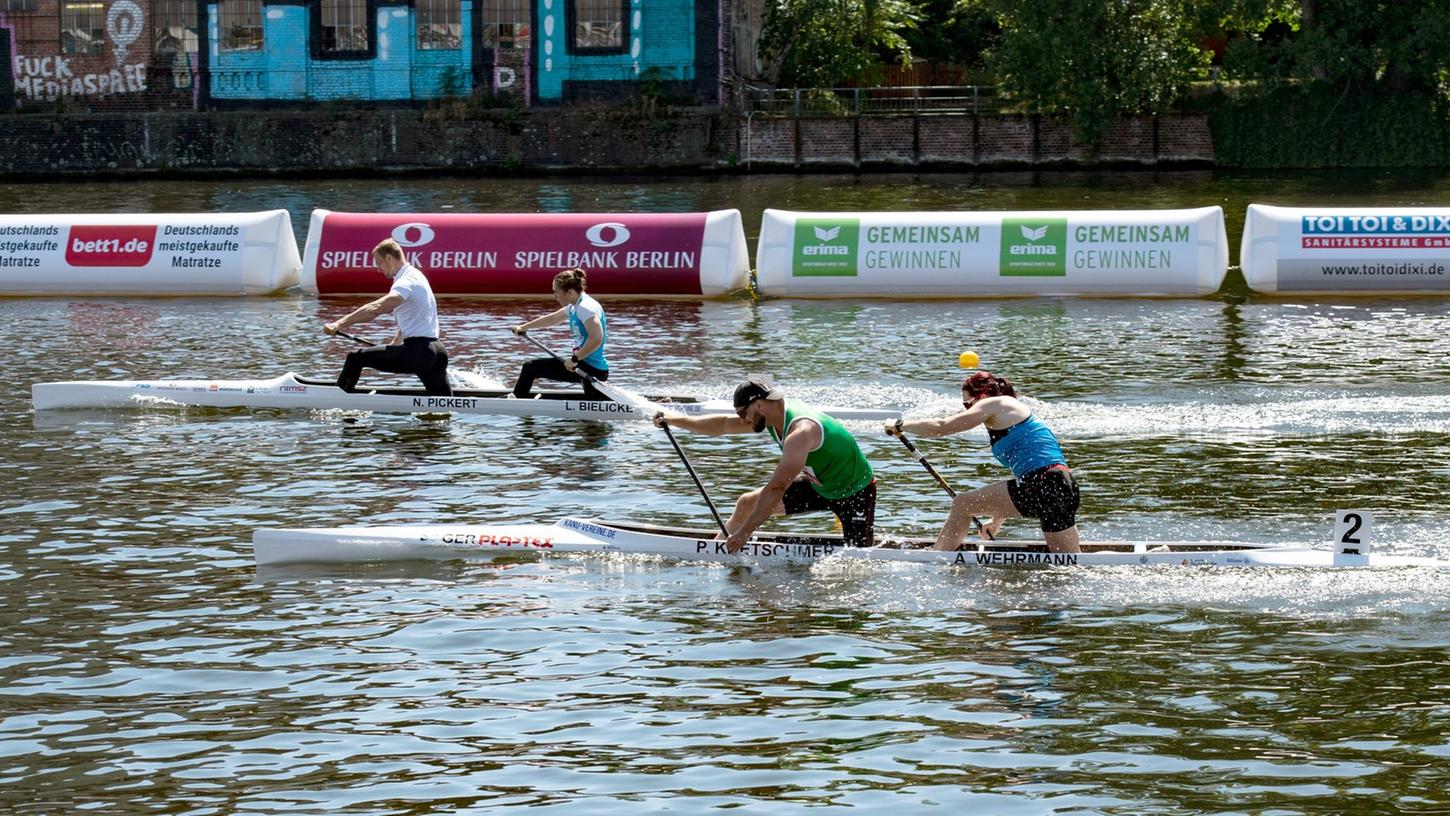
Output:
(146, 666)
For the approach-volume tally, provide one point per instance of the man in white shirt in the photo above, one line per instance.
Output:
(415, 348)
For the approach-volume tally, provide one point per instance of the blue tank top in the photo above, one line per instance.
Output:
(1027, 446)
(581, 311)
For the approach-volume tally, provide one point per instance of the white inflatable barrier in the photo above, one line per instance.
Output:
(986, 254)
(639, 254)
(155, 254)
(1340, 250)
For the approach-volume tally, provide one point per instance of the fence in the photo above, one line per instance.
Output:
(918, 99)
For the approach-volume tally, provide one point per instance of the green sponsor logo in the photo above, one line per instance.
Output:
(1034, 247)
(826, 247)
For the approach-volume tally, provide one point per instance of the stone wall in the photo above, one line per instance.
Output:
(352, 141)
(966, 140)
(613, 139)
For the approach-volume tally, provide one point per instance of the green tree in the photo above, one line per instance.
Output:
(1095, 59)
(949, 31)
(824, 43)
(1399, 45)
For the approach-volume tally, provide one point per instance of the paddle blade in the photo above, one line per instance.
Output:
(969, 359)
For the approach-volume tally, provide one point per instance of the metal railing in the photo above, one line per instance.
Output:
(880, 100)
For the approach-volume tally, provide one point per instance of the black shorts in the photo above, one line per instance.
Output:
(857, 511)
(1048, 494)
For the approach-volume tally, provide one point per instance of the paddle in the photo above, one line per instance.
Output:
(358, 340)
(665, 423)
(920, 457)
(645, 408)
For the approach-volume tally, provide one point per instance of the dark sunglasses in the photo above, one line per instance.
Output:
(740, 412)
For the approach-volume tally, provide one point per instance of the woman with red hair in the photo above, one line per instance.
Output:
(1042, 486)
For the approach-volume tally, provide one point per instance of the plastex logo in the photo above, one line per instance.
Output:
(826, 247)
(96, 245)
(1034, 247)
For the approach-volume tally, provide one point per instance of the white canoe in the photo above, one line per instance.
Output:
(580, 535)
(292, 391)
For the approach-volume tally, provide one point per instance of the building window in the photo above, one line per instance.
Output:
(240, 22)
(19, 5)
(174, 22)
(599, 25)
(82, 28)
(440, 24)
(344, 25)
(505, 24)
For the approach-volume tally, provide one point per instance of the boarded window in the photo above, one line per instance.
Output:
(344, 25)
(440, 24)
(505, 24)
(240, 22)
(599, 25)
(174, 26)
(82, 28)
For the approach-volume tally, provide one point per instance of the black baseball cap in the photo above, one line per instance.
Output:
(753, 389)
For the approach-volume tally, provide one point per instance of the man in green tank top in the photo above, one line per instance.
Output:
(821, 466)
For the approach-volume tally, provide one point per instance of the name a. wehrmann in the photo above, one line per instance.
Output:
(1012, 559)
(768, 549)
(444, 402)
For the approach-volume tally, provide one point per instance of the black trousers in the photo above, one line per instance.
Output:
(551, 368)
(424, 356)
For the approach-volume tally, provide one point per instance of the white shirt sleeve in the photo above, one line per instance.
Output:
(402, 288)
(586, 309)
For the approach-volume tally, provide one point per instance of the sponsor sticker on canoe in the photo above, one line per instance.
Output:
(497, 540)
(590, 529)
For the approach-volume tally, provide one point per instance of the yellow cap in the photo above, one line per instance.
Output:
(969, 359)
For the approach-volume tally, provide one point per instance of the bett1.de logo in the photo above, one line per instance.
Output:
(97, 245)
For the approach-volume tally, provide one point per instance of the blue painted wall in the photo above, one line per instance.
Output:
(661, 35)
(285, 70)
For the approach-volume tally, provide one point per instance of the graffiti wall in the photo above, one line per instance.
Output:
(92, 54)
(83, 55)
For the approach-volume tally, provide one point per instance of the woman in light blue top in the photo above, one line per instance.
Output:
(1042, 488)
(586, 320)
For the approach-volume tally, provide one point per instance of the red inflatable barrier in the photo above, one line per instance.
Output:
(640, 254)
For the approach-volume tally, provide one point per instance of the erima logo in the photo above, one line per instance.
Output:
(827, 234)
(411, 235)
(595, 234)
(1034, 234)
